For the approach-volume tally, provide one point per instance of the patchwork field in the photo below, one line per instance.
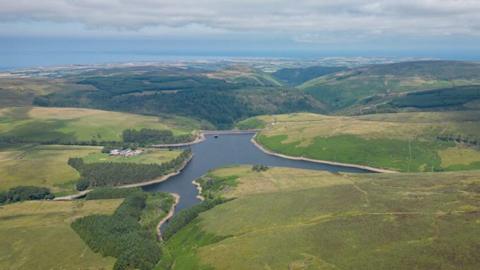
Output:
(37, 235)
(407, 142)
(300, 219)
(46, 165)
(67, 125)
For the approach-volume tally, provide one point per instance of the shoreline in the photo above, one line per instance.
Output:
(142, 184)
(200, 138)
(161, 178)
(367, 168)
(199, 190)
(168, 216)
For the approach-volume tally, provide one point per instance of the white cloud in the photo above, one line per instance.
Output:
(302, 20)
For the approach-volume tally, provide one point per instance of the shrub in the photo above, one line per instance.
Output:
(82, 184)
(25, 193)
(3, 197)
(259, 168)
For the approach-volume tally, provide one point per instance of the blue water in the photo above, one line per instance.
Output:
(228, 150)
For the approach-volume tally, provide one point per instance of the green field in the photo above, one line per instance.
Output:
(407, 142)
(37, 235)
(69, 125)
(300, 219)
(148, 156)
(41, 166)
(46, 165)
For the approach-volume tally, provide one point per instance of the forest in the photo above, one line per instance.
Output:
(119, 173)
(146, 136)
(121, 235)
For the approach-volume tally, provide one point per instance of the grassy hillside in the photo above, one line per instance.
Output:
(360, 85)
(20, 91)
(408, 142)
(245, 75)
(47, 166)
(41, 166)
(300, 219)
(66, 125)
(296, 76)
(37, 235)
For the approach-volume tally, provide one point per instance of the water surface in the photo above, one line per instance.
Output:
(228, 149)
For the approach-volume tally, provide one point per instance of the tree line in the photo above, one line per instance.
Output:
(121, 235)
(116, 173)
(185, 216)
(147, 136)
(25, 193)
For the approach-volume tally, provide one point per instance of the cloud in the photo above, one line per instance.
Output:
(302, 20)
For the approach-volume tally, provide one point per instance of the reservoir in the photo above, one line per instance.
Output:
(223, 150)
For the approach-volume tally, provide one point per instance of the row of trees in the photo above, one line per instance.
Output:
(185, 216)
(121, 235)
(115, 174)
(259, 168)
(25, 193)
(460, 139)
(147, 136)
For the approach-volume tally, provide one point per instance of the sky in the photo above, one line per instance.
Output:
(429, 28)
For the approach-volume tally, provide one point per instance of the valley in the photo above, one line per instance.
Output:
(292, 164)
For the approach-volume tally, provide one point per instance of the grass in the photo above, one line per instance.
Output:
(149, 156)
(406, 142)
(37, 235)
(250, 123)
(302, 219)
(38, 124)
(46, 165)
(41, 166)
(158, 205)
(16, 91)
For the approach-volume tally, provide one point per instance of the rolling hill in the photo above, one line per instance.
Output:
(73, 125)
(300, 219)
(407, 142)
(297, 76)
(218, 97)
(37, 235)
(379, 83)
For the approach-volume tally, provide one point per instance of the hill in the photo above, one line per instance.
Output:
(297, 76)
(219, 97)
(73, 125)
(364, 84)
(37, 235)
(299, 219)
(407, 142)
(21, 91)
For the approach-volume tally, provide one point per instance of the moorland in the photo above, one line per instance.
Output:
(60, 130)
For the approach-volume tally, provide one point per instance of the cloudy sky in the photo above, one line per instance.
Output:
(449, 27)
